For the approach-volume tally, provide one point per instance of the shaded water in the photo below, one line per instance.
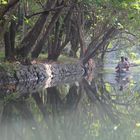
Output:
(106, 108)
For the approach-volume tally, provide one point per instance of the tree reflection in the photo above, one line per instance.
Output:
(84, 110)
(102, 101)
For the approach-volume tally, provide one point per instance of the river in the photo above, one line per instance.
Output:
(104, 108)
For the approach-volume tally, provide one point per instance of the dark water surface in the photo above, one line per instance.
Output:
(106, 108)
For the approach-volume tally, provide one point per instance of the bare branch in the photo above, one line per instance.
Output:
(129, 33)
(128, 39)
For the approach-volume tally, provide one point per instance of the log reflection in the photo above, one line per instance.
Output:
(74, 111)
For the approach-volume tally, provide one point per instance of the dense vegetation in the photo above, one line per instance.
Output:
(30, 27)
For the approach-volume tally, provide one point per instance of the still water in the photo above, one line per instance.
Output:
(105, 108)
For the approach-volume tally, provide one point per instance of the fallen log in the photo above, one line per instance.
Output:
(15, 73)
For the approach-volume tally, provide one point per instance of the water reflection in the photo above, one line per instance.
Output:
(77, 111)
(123, 81)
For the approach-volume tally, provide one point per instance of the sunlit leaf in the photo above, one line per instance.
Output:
(110, 45)
(136, 5)
(116, 127)
(120, 26)
(26, 21)
(4, 2)
(14, 17)
(137, 124)
(108, 87)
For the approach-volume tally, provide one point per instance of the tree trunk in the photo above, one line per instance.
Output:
(95, 45)
(40, 105)
(7, 45)
(9, 40)
(54, 100)
(13, 35)
(80, 26)
(30, 39)
(74, 39)
(42, 41)
(5, 15)
(55, 47)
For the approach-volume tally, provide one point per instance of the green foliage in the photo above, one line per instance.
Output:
(3, 2)
(110, 46)
(98, 15)
(28, 22)
(1, 56)
(108, 87)
(9, 68)
(133, 55)
(10, 98)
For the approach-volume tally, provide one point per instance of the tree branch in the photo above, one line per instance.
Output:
(125, 38)
(129, 33)
(45, 11)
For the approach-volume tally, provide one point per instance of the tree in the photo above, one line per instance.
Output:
(6, 11)
(87, 25)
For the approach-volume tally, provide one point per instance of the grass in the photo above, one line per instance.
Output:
(61, 59)
(43, 57)
(1, 56)
(67, 59)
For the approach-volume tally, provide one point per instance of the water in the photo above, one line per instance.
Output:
(106, 108)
